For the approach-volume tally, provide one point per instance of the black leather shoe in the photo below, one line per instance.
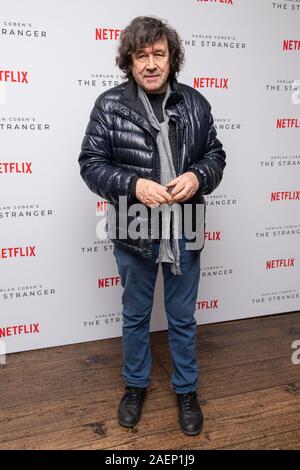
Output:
(190, 414)
(130, 407)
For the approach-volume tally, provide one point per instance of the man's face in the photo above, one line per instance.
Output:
(151, 66)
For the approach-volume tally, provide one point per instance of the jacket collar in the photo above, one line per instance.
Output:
(131, 99)
(130, 105)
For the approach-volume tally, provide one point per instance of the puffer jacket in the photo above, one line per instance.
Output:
(119, 147)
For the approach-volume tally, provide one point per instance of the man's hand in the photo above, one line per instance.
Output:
(184, 186)
(151, 193)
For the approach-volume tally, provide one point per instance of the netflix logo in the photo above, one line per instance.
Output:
(280, 263)
(107, 34)
(16, 167)
(285, 196)
(287, 123)
(16, 330)
(213, 236)
(17, 252)
(207, 304)
(211, 82)
(228, 2)
(13, 76)
(101, 207)
(291, 45)
(113, 281)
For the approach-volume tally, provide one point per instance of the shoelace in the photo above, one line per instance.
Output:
(132, 394)
(189, 401)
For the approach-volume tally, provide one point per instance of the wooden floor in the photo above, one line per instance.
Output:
(67, 397)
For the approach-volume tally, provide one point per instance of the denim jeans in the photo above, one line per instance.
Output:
(138, 277)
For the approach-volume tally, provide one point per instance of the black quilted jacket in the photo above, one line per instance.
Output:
(119, 147)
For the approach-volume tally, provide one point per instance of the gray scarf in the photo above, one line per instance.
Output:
(167, 173)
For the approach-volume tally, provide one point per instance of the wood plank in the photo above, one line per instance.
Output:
(220, 374)
(283, 441)
(100, 351)
(228, 421)
(67, 397)
(91, 420)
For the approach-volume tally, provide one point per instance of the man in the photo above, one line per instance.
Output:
(151, 140)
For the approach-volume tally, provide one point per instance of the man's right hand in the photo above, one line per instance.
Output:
(151, 193)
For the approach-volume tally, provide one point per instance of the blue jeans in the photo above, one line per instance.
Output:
(138, 277)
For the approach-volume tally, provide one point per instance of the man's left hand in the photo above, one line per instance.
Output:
(185, 187)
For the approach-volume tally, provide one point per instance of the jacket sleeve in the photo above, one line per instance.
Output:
(212, 162)
(97, 166)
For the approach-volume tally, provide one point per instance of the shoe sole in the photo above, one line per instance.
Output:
(192, 433)
(126, 425)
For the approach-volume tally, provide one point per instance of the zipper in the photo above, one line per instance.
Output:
(179, 146)
(140, 122)
(156, 168)
(180, 151)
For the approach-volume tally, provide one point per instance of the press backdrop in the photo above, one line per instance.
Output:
(58, 281)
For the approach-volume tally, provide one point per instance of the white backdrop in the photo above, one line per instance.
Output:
(58, 282)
